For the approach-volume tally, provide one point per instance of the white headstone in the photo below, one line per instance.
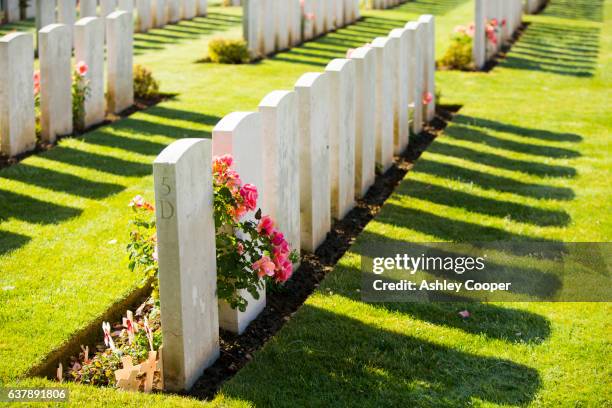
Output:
(252, 27)
(45, 13)
(295, 22)
(160, 11)
(202, 8)
(341, 78)
(17, 117)
(279, 115)
(144, 17)
(349, 11)
(174, 11)
(479, 50)
(339, 13)
(187, 261)
(416, 74)
(365, 116)
(330, 15)
(126, 5)
(315, 201)
(54, 54)
(239, 134)
(429, 54)
(189, 9)
(107, 7)
(357, 11)
(269, 26)
(13, 12)
(66, 14)
(309, 19)
(384, 101)
(319, 17)
(119, 40)
(401, 126)
(89, 48)
(282, 24)
(87, 8)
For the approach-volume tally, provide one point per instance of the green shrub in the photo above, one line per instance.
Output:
(459, 53)
(226, 51)
(145, 85)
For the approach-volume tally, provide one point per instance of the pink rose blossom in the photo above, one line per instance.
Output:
(427, 98)
(249, 195)
(82, 68)
(278, 238)
(240, 248)
(266, 225)
(264, 267)
(464, 314)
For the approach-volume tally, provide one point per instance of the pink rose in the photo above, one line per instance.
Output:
(285, 272)
(264, 267)
(278, 238)
(82, 68)
(266, 225)
(427, 98)
(240, 248)
(249, 195)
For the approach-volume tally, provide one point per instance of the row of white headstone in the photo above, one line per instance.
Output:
(509, 16)
(311, 152)
(275, 25)
(384, 4)
(17, 100)
(148, 13)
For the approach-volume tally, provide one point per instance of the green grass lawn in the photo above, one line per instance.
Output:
(525, 159)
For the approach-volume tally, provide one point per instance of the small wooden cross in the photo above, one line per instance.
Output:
(148, 367)
(127, 377)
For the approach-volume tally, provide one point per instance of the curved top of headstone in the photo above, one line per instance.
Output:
(276, 98)
(235, 121)
(380, 42)
(177, 150)
(339, 65)
(398, 32)
(87, 20)
(361, 52)
(13, 36)
(426, 18)
(412, 25)
(52, 27)
(309, 79)
(117, 14)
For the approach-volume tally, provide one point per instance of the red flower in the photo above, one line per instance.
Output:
(266, 225)
(82, 68)
(427, 98)
(249, 196)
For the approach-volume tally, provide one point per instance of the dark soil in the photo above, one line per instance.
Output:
(139, 105)
(501, 55)
(237, 351)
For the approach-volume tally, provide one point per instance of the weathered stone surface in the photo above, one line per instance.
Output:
(174, 11)
(54, 53)
(319, 17)
(187, 261)
(309, 21)
(429, 61)
(282, 24)
(66, 14)
(279, 114)
(479, 50)
(384, 101)
(417, 66)
(202, 8)
(341, 78)
(160, 11)
(189, 9)
(89, 48)
(126, 5)
(329, 22)
(45, 13)
(269, 26)
(295, 22)
(339, 13)
(365, 116)
(87, 8)
(315, 201)
(144, 19)
(401, 84)
(107, 7)
(119, 40)
(252, 27)
(349, 11)
(17, 117)
(240, 135)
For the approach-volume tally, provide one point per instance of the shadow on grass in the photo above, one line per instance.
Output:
(483, 205)
(9, 241)
(436, 7)
(329, 359)
(33, 211)
(94, 161)
(157, 39)
(557, 49)
(591, 10)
